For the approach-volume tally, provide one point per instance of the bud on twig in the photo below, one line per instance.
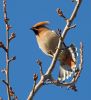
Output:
(3, 71)
(12, 36)
(39, 62)
(11, 92)
(6, 20)
(8, 27)
(2, 46)
(13, 58)
(60, 13)
(35, 77)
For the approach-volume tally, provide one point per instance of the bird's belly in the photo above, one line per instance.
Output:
(48, 45)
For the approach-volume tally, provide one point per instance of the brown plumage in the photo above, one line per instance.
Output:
(48, 41)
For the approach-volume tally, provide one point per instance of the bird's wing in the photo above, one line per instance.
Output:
(68, 59)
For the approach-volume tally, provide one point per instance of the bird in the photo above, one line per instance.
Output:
(47, 40)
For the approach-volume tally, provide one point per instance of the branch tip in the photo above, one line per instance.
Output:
(3, 71)
(2, 46)
(12, 58)
(72, 26)
(12, 36)
(5, 82)
(60, 13)
(39, 62)
(35, 77)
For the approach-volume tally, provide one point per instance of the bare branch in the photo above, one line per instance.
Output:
(6, 49)
(6, 19)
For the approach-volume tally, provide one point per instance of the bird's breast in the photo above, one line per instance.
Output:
(48, 41)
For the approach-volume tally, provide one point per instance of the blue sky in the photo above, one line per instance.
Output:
(25, 13)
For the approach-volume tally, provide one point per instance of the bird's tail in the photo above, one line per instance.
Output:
(68, 62)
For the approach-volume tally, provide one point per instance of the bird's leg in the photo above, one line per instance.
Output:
(58, 32)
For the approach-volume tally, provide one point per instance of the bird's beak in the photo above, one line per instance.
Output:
(31, 28)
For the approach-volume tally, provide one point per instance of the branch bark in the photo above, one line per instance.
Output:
(47, 75)
(7, 47)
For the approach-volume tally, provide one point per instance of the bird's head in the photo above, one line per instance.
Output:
(39, 27)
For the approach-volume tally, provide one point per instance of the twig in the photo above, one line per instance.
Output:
(60, 13)
(81, 56)
(35, 77)
(72, 26)
(52, 65)
(2, 46)
(40, 65)
(3, 71)
(12, 58)
(5, 82)
(12, 93)
(12, 36)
